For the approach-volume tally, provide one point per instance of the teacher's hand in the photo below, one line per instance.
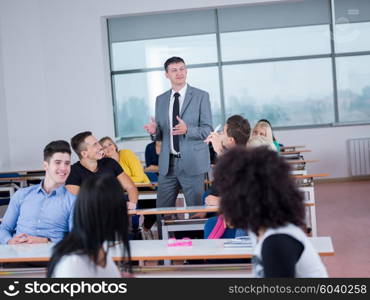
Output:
(151, 127)
(180, 128)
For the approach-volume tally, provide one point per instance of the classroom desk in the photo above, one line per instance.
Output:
(151, 185)
(21, 180)
(154, 250)
(299, 165)
(294, 152)
(172, 271)
(173, 210)
(301, 161)
(8, 188)
(306, 186)
(21, 170)
(291, 148)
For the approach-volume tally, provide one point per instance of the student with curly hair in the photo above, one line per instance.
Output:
(258, 195)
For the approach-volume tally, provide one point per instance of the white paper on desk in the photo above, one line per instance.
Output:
(242, 241)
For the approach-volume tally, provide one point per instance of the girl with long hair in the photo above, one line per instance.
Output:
(100, 221)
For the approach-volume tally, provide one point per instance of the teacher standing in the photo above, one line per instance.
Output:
(182, 121)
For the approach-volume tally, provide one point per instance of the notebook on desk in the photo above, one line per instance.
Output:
(241, 241)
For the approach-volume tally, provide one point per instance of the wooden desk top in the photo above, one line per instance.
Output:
(311, 176)
(294, 152)
(154, 250)
(173, 210)
(22, 170)
(301, 161)
(291, 147)
(152, 185)
(21, 178)
(181, 210)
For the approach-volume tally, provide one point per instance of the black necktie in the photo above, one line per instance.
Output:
(175, 113)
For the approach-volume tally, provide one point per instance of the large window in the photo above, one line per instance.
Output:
(295, 63)
(265, 90)
(354, 88)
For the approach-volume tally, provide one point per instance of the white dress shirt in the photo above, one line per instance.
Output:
(182, 93)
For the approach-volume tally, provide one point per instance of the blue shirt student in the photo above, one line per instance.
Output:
(32, 211)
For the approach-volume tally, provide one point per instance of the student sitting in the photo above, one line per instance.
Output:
(93, 164)
(276, 143)
(100, 221)
(42, 212)
(152, 151)
(236, 132)
(127, 159)
(263, 128)
(259, 195)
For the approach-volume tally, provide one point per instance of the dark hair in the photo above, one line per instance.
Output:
(100, 215)
(77, 142)
(268, 122)
(239, 129)
(173, 60)
(257, 190)
(53, 147)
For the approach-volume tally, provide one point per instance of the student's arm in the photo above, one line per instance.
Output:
(71, 212)
(9, 223)
(30, 239)
(129, 186)
(212, 200)
(73, 189)
(73, 181)
(152, 168)
(280, 253)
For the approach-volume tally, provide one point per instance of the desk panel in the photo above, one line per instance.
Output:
(154, 250)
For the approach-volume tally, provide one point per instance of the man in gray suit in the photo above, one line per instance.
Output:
(183, 120)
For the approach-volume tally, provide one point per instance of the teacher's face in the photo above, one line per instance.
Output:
(177, 73)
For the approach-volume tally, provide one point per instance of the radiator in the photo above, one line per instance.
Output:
(359, 156)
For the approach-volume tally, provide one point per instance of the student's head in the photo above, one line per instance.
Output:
(100, 218)
(176, 71)
(57, 161)
(257, 191)
(263, 129)
(87, 146)
(100, 211)
(268, 122)
(236, 131)
(109, 147)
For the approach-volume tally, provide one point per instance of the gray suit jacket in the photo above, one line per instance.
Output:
(196, 113)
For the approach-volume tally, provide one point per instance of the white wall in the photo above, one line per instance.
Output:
(327, 144)
(55, 83)
(4, 140)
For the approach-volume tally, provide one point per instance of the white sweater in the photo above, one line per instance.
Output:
(75, 265)
(308, 265)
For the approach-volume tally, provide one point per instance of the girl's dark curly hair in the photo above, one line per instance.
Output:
(256, 189)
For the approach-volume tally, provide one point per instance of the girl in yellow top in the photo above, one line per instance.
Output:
(129, 162)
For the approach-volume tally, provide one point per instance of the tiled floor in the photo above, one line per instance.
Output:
(343, 212)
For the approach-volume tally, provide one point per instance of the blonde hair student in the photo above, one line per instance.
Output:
(129, 162)
(263, 129)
